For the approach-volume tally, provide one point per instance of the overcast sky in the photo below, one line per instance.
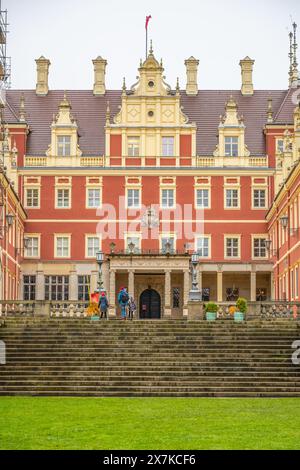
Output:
(217, 32)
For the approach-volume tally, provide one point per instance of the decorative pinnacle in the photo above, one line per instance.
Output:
(295, 46)
(108, 113)
(22, 113)
(151, 48)
(177, 85)
(124, 85)
(270, 110)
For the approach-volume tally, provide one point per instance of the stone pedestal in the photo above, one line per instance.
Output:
(195, 310)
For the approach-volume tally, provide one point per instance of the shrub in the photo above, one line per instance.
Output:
(211, 307)
(241, 304)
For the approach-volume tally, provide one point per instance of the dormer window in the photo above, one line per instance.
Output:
(231, 146)
(64, 146)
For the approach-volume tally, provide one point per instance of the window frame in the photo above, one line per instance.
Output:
(258, 237)
(238, 198)
(162, 189)
(232, 236)
(208, 198)
(203, 237)
(138, 206)
(56, 237)
(133, 145)
(231, 145)
(257, 188)
(63, 188)
(32, 188)
(36, 236)
(94, 236)
(63, 146)
(167, 147)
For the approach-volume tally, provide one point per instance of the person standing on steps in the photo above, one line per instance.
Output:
(103, 305)
(131, 308)
(123, 299)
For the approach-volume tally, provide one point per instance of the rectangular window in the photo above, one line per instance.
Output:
(64, 146)
(63, 198)
(29, 287)
(202, 198)
(168, 146)
(32, 197)
(132, 244)
(57, 288)
(93, 245)
(133, 198)
(176, 297)
(280, 146)
(32, 248)
(259, 198)
(296, 282)
(259, 248)
(167, 244)
(62, 247)
(94, 198)
(232, 247)
(203, 247)
(167, 198)
(133, 146)
(232, 198)
(231, 146)
(84, 288)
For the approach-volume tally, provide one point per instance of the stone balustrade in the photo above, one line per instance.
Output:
(59, 309)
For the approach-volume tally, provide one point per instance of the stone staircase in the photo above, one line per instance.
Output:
(78, 357)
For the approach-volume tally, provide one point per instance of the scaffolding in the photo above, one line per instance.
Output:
(5, 61)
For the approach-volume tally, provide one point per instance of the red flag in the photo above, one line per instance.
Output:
(147, 21)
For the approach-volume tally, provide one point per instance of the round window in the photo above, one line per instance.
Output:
(150, 113)
(151, 84)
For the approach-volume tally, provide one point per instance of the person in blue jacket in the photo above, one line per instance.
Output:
(123, 299)
(103, 305)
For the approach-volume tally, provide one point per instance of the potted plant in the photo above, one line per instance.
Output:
(241, 305)
(211, 310)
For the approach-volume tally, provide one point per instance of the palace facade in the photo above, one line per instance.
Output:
(151, 174)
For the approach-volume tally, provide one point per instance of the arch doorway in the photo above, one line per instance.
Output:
(150, 304)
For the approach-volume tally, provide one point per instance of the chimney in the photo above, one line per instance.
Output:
(191, 73)
(99, 69)
(247, 83)
(42, 86)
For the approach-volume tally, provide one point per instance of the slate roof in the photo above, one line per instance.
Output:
(205, 109)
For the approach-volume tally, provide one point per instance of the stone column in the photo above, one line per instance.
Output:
(131, 282)
(73, 280)
(40, 285)
(220, 286)
(112, 293)
(253, 286)
(94, 280)
(272, 286)
(200, 275)
(167, 312)
(186, 291)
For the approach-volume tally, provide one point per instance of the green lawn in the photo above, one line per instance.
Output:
(149, 423)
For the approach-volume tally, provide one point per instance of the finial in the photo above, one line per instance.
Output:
(141, 62)
(177, 85)
(22, 113)
(161, 62)
(124, 85)
(151, 47)
(295, 63)
(107, 114)
(270, 111)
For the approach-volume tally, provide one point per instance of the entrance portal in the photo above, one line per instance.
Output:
(150, 304)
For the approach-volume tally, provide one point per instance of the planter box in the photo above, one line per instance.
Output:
(95, 318)
(239, 317)
(211, 316)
